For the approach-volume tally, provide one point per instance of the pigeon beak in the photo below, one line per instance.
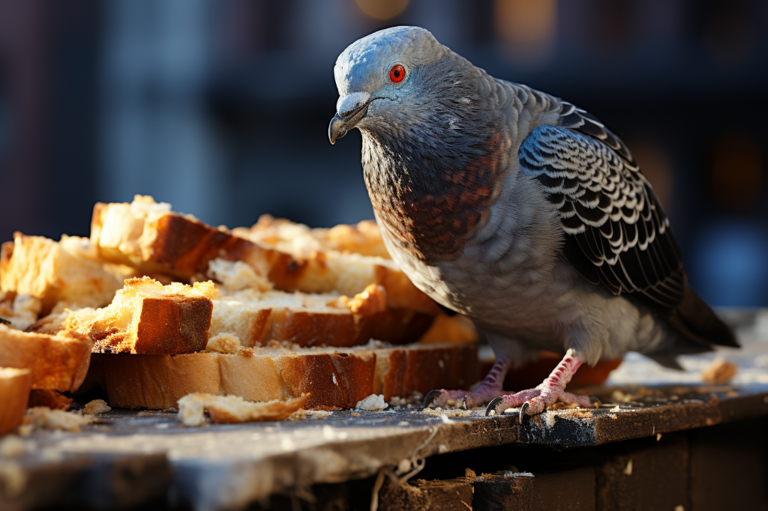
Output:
(350, 110)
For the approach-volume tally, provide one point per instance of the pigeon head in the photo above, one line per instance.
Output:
(429, 141)
(382, 77)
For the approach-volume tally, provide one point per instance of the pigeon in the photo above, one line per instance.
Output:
(519, 210)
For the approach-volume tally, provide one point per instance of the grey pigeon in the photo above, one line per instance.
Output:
(519, 210)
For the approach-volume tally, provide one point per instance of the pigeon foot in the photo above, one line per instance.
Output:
(547, 393)
(489, 388)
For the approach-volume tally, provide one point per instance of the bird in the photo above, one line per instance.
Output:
(518, 210)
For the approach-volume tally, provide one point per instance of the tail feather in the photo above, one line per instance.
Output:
(694, 319)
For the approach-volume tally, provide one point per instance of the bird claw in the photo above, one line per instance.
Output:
(492, 405)
(431, 395)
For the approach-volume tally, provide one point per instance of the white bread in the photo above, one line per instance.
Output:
(64, 272)
(57, 362)
(334, 378)
(145, 317)
(363, 238)
(15, 385)
(326, 319)
(152, 238)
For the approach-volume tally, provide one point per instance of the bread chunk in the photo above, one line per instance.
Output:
(234, 410)
(65, 272)
(56, 362)
(144, 318)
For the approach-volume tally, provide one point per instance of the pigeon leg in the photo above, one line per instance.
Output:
(489, 388)
(552, 389)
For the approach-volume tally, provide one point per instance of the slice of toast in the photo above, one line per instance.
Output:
(64, 272)
(145, 317)
(152, 238)
(57, 362)
(15, 385)
(334, 378)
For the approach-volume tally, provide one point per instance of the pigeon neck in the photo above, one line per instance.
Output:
(429, 200)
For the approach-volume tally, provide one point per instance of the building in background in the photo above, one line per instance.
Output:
(221, 107)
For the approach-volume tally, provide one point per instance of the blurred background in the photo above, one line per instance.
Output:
(221, 108)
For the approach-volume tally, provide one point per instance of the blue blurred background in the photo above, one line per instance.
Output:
(221, 107)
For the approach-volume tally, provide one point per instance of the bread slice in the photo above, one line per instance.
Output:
(363, 238)
(334, 378)
(303, 319)
(145, 317)
(152, 238)
(15, 385)
(65, 272)
(57, 362)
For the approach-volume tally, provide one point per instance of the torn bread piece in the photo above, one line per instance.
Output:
(15, 385)
(234, 410)
(57, 362)
(145, 317)
(41, 417)
(152, 238)
(20, 311)
(66, 273)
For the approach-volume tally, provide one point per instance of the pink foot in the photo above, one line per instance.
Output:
(488, 389)
(548, 392)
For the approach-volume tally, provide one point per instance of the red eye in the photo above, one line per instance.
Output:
(397, 73)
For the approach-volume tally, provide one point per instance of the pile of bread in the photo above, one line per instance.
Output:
(156, 305)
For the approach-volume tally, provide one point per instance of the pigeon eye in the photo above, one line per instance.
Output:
(397, 73)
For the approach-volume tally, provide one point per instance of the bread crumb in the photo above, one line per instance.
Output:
(41, 417)
(719, 372)
(12, 477)
(302, 414)
(12, 446)
(234, 409)
(26, 308)
(371, 300)
(372, 403)
(96, 407)
(224, 343)
(628, 469)
(237, 275)
(439, 412)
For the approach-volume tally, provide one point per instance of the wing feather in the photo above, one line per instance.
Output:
(608, 208)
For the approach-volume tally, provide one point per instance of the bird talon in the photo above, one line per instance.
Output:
(492, 405)
(521, 414)
(431, 395)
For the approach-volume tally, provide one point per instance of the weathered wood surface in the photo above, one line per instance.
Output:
(135, 457)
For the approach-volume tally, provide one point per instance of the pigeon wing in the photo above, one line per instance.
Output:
(617, 234)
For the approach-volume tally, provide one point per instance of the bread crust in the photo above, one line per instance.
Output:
(55, 272)
(57, 362)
